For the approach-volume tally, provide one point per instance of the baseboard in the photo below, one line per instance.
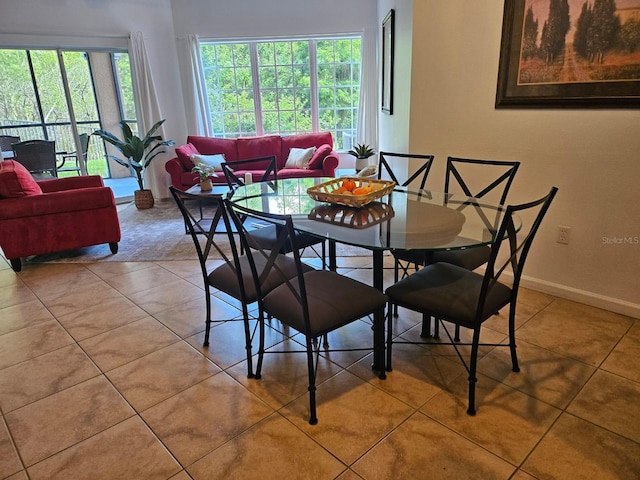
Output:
(588, 298)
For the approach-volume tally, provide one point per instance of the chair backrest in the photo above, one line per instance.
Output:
(389, 165)
(518, 240)
(202, 233)
(84, 144)
(7, 141)
(37, 155)
(265, 164)
(490, 179)
(262, 261)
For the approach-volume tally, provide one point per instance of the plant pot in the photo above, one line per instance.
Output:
(143, 199)
(206, 185)
(361, 163)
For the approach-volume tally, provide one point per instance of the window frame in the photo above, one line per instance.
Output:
(339, 133)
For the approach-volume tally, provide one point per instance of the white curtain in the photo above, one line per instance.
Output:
(196, 102)
(368, 108)
(148, 111)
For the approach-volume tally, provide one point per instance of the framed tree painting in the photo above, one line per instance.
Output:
(570, 53)
(387, 62)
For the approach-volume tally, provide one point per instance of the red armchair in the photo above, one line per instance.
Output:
(38, 217)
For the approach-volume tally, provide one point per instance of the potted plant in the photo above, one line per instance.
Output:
(138, 153)
(362, 153)
(205, 172)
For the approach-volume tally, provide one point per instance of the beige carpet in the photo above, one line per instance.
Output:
(153, 234)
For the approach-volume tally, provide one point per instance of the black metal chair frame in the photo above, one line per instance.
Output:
(383, 165)
(195, 228)
(421, 173)
(415, 259)
(297, 287)
(442, 275)
(271, 175)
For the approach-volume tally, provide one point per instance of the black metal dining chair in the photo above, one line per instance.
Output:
(313, 302)
(234, 276)
(454, 294)
(389, 167)
(486, 179)
(266, 235)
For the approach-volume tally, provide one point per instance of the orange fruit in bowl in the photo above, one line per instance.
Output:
(348, 185)
(361, 190)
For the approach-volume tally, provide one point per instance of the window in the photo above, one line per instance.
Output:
(284, 87)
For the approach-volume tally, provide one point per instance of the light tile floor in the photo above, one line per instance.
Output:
(103, 376)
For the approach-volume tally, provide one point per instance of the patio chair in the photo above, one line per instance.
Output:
(73, 164)
(37, 156)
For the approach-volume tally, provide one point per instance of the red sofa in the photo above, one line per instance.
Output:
(322, 164)
(39, 217)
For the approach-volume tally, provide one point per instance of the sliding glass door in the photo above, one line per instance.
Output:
(60, 94)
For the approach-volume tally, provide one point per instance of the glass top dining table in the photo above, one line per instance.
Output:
(402, 220)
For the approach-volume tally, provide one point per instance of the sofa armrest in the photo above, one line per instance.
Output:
(57, 202)
(70, 183)
(329, 164)
(175, 169)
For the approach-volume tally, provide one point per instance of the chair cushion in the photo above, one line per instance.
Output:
(334, 300)
(16, 181)
(469, 258)
(184, 153)
(224, 277)
(449, 292)
(319, 156)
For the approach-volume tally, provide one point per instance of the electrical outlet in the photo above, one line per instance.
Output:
(563, 234)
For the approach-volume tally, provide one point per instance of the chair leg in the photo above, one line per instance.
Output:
(426, 326)
(113, 246)
(313, 418)
(247, 339)
(389, 336)
(456, 336)
(207, 321)
(471, 410)
(512, 337)
(261, 326)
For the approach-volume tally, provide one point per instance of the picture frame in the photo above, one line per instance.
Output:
(388, 26)
(526, 78)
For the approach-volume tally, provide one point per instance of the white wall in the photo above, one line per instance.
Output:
(591, 155)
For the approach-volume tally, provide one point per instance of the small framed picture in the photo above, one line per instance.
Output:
(387, 62)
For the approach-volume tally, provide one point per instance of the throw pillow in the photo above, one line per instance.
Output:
(299, 157)
(214, 161)
(184, 153)
(319, 156)
(16, 181)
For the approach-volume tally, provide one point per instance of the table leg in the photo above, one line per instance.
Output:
(378, 317)
(333, 264)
